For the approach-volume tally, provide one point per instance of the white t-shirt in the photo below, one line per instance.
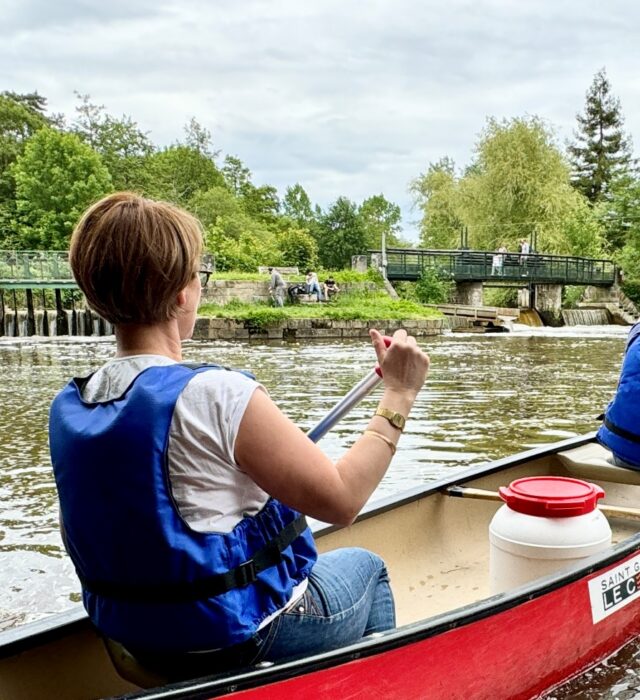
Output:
(210, 491)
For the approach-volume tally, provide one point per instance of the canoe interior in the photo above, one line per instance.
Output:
(436, 549)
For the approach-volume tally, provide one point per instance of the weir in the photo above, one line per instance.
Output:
(585, 317)
(50, 323)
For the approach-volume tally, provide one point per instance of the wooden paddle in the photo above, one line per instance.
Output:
(482, 494)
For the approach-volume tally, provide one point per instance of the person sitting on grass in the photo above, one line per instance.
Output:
(183, 488)
(331, 289)
(312, 285)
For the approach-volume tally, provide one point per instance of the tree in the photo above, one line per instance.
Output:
(380, 216)
(436, 193)
(297, 247)
(199, 139)
(236, 175)
(262, 203)
(56, 177)
(297, 205)
(178, 173)
(519, 187)
(20, 117)
(18, 122)
(601, 153)
(341, 234)
(120, 142)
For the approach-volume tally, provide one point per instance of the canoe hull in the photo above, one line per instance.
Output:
(516, 653)
(454, 640)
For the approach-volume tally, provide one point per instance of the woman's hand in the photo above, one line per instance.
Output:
(404, 365)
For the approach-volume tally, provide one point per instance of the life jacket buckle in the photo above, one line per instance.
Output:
(245, 573)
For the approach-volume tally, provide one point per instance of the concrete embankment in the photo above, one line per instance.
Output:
(309, 328)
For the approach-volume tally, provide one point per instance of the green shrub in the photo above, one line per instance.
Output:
(571, 295)
(632, 290)
(505, 297)
(433, 288)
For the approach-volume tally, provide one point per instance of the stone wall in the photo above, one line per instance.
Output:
(308, 329)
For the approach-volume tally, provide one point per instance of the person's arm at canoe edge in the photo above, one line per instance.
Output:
(273, 451)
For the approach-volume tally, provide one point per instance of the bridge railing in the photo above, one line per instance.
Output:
(476, 265)
(37, 266)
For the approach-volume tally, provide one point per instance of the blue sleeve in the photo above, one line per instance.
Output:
(633, 335)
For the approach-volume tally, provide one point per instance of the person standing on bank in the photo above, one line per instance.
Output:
(277, 286)
(187, 531)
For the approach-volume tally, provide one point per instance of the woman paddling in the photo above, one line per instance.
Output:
(181, 488)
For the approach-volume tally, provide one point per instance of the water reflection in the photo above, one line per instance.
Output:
(487, 397)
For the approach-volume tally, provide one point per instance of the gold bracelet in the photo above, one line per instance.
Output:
(382, 437)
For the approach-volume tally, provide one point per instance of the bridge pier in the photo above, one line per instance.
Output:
(548, 303)
(469, 293)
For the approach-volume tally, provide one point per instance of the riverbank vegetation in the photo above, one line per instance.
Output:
(582, 199)
(53, 166)
(363, 306)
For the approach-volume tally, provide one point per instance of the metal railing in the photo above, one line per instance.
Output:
(476, 265)
(21, 269)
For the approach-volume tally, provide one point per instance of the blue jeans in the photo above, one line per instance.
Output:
(348, 597)
(314, 288)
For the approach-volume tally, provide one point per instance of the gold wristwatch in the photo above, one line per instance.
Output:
(396, 419)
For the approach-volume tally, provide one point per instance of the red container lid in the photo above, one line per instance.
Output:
(551, 496)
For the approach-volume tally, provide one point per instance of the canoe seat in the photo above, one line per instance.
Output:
(129, 669)
(593, 461)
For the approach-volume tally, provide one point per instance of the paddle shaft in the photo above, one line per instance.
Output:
(482, 494)
(364, 387)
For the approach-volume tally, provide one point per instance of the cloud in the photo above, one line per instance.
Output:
(347, 98)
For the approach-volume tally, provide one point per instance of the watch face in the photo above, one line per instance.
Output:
(397, 420)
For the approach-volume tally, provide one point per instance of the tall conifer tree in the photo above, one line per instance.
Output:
(601, 153)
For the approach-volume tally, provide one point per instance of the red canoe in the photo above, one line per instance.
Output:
(454, 640)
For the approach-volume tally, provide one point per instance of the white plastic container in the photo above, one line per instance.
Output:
(546, 524)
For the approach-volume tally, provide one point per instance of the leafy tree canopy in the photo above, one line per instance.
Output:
(341, 234)
(517, 187)
(119, 141)
(296, 204)
(57, 178)
(380, 217)
(436, 194)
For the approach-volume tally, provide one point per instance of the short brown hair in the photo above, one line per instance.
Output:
(131, 256)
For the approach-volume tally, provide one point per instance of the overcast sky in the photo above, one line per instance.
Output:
(347, 98)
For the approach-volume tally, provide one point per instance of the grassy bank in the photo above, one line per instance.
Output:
(362, 306)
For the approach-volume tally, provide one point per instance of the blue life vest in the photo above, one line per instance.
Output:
(620, 431)
(149, 581)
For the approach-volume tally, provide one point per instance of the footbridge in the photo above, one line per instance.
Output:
(539, 277)
(478, 266)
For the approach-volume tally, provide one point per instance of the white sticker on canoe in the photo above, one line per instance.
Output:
(615, 589)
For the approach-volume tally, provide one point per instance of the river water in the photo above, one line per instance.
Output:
(487, 396)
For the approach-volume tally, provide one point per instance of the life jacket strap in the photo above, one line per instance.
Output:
(239, 577)
(621, 432)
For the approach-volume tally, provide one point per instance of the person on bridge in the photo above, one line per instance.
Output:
(620, 430)
(497, 261)
(183, 488)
